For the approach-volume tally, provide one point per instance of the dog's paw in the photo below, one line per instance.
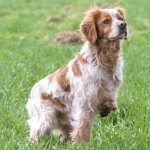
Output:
(107, 108)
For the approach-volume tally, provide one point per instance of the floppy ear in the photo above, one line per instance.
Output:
(88, 27)
(121, 11)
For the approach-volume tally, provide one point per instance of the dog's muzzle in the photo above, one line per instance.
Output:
(123, 29)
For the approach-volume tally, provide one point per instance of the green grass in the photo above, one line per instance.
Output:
(27, 56)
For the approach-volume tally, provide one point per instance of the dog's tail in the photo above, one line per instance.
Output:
(55, 101)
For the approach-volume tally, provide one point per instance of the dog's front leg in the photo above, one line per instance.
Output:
(108, 106)
(82, 127)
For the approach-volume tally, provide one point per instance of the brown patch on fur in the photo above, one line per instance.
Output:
(87, 26)
(119, 16)
(46, 96)
(121, 12)
(103, 29)
(55, 101)
(61, 79)
(108, 54)
(51, 76)
(81, 59)
(75, 68)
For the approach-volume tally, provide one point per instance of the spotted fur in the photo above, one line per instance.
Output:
(68, 99)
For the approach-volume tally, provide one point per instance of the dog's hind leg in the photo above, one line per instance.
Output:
(63, 125)
(41, 119)
(39, 128)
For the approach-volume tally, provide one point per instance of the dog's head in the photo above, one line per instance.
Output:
(109, 24)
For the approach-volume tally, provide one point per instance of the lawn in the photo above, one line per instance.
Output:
(27, 54)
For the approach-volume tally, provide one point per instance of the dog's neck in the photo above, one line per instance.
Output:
(103, 52)
(108, 52)
(105, 46)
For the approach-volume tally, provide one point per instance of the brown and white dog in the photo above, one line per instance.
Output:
(68, 99)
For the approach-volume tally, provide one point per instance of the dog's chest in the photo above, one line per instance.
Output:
(111, 81)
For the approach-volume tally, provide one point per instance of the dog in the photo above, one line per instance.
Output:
(68, 99)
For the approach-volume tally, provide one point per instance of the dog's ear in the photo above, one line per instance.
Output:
(121, 11)
(88, 26)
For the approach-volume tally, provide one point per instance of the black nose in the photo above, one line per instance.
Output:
(123, 25)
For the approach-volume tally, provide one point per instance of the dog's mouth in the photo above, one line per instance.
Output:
(122, 32)
(121, 35)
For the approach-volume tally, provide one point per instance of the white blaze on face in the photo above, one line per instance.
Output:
(114, 33)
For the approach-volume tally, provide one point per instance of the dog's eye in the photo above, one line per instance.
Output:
(107, 21)
(121, 19)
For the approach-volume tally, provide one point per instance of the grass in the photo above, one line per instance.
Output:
(27, 55)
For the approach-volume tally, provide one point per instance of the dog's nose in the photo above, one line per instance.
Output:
(123, 25)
